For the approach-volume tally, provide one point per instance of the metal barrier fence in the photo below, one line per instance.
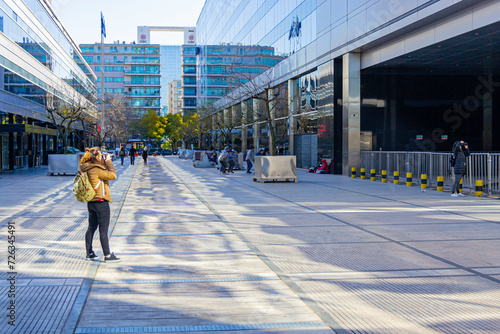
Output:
(480, 166)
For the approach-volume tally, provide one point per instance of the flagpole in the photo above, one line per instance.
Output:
(102, 80)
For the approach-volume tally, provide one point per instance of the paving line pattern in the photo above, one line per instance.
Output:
(183, 270)
(370, 278)
(50, 254)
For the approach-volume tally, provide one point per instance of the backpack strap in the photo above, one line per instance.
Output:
(102, 188)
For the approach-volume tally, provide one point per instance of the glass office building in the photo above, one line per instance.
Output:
(37, 57)
(170, 70)
(372, 75)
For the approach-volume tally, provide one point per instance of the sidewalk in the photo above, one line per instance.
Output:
(207, 253)
(52, 278)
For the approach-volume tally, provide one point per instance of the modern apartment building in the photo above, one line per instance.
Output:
(373, 75)
(37, 57)
(189, 53)
(170, 69)
(175, 97)
(129, 69)
(219, 68)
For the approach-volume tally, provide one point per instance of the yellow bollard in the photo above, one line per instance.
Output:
(440, 183)
(372, 175)
(384, 176)
(423, 181)
(479, 188)
(409, 177)
(396, 177)
(363, 173)
(460, 186)
(353, 172)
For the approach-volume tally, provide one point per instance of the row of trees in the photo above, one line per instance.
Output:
(80, 116)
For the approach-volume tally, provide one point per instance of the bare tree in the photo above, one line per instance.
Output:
(272, 103)
(66, 113)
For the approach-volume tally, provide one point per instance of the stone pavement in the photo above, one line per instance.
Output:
(208, 253)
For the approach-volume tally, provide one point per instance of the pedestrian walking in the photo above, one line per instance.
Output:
(460, 152)
(249, 159)
(132, 153)
(145, 155)
(233, 158)
(122, 154)
(100, 171)
(224, 160)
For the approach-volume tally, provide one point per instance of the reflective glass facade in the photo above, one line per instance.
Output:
(354, 64)
(37, 57)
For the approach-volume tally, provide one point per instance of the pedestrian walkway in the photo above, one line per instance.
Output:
(208, 253)
(52, 279)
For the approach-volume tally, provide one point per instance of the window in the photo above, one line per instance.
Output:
(189, 60)
(89, 59)
(190, 69)
(190, 102)
(189, 81)
(113, 69)
(189, 91)
(97, 69)
(87, 49)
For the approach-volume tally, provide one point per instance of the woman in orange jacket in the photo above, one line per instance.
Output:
(100, 170)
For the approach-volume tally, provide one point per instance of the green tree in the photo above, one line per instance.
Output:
(174, 129)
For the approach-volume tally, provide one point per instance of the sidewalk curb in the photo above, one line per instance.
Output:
(73, 318)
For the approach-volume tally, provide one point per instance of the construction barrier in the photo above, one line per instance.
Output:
(409, 177)
(479, 188)
(440, 183)
(396, 177)
(372, 175)
(363, 174)
(423, 181)
(384, 176)
(460, 186)
(353, 172)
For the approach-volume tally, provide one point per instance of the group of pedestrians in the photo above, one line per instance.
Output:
(228, 159)
(132, 153)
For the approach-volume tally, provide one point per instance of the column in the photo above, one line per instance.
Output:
(256, 129)
(233, 122)
(487, 121)
(272, 112)
(226, 126)
(244, 111)
(351, 109)
(214, 130)
(219, 129)
(293, 108)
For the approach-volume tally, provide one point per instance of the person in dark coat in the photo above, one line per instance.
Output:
(145, 156)
(460, 153)
(132, 155)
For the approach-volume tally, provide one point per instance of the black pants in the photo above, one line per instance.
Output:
(99, 216)
(132, 159)
(231, 166)
(249, 165)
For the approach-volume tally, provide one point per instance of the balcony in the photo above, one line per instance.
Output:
(130, 83)
(142, 73)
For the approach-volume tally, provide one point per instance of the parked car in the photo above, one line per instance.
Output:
(167, 152)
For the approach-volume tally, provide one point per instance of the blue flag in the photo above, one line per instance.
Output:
(103, 26)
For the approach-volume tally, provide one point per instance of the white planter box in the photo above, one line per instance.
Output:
(275, 168)
(65, 164)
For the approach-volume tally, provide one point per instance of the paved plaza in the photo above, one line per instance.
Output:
(205, 253)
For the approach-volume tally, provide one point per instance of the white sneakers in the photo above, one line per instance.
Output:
(457, 195)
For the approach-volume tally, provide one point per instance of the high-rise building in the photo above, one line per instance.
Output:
(129, 69)
(37, 58)
(170, 69)
(175, 97)
(220, 68)
(189, 78)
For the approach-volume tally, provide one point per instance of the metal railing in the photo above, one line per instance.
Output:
(480, 166)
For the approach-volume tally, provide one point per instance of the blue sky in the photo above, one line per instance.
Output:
(82, 18)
